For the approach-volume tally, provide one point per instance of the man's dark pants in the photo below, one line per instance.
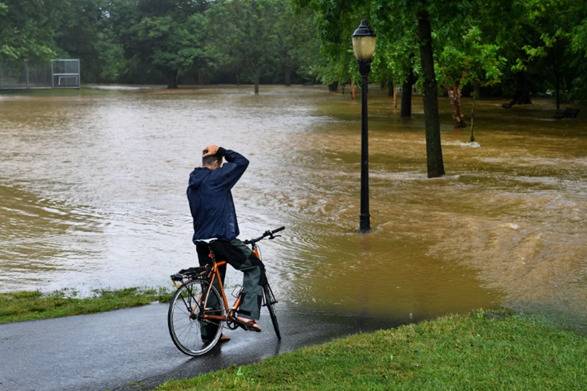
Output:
(241, 258)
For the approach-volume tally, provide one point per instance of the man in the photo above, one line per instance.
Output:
(216, 227)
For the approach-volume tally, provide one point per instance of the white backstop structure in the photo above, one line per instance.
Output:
(58, 73)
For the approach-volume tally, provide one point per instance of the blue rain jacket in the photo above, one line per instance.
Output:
(210, 198)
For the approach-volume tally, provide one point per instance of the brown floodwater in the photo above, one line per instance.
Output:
(92, 195)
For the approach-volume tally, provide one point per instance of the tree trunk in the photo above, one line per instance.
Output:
(287, 75)
(333, 87)
(523, 89)
(522, 92)
(557, 85)
(435, 164)
(476, 95)
(173, 79)
(353, 90)
(406, 106)
(257, 77)
(390, 87)
(395, 91)
(454, 95)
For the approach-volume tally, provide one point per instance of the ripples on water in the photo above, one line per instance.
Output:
(92, 194)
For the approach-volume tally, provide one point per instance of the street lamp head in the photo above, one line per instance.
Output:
(364, 42)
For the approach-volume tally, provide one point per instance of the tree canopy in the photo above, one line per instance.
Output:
(503, 47)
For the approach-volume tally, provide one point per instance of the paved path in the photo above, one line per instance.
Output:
(131, 348)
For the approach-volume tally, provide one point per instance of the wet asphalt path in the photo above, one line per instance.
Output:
(131, 348)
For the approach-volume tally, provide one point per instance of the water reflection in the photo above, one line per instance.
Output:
(92, 194)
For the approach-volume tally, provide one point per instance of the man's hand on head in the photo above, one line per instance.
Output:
(210, 150)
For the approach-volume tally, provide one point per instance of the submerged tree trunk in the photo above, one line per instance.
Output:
(390, 87)
(476, 95)
(406, 107)
(257, 77)
(435, 164)
(287, 75)
(173, 79)
(557, 88)
(522, 91)
(556, 71)
(353, 90)
(454, 95)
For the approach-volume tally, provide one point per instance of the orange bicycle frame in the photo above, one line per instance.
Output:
(215, 275)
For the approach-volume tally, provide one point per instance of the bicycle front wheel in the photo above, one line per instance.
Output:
(190, 331)
(270, 302)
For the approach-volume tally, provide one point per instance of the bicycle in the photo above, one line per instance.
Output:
(198, 303)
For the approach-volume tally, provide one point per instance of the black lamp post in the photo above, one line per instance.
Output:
(364, 47)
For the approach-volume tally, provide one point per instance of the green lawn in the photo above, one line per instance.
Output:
(32, 305)
(480, 351)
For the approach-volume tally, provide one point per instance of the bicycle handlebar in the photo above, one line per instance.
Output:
(267, 233)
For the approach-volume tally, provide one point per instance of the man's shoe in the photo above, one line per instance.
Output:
(249, 324)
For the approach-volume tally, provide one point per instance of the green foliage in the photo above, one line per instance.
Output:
(27, 30)
(484, 350)
(153, 41)
(469, 60)
(254, 39)
(336, 21)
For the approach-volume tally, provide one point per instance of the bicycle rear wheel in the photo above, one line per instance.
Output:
(270, 302)
(192, 334)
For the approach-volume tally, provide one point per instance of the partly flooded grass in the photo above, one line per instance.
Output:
(33, 305)
(92, 195)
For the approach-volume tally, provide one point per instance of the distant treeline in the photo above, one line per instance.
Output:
(165, 41)
(502, 47)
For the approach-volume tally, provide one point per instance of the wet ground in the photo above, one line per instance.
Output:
(131, 349)
(92, 195)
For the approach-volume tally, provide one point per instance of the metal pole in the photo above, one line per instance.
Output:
(365, 224)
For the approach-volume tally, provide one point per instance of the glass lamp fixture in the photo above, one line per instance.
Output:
(364, 42)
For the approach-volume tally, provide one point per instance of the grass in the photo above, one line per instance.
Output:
(479, 351)
(33, 305)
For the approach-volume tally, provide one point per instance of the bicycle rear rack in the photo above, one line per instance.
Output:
(191, 273)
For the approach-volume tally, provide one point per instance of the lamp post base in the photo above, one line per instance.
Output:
(365, 224)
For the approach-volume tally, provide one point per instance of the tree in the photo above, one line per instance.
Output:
(242, 38)
(337, 17)
(297, 46)
(466, 58)
(336, 20)
(27, 30)
(397, 49)
(435, 162)
(167, 34)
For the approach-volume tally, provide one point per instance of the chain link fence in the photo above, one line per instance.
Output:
(58, 73)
